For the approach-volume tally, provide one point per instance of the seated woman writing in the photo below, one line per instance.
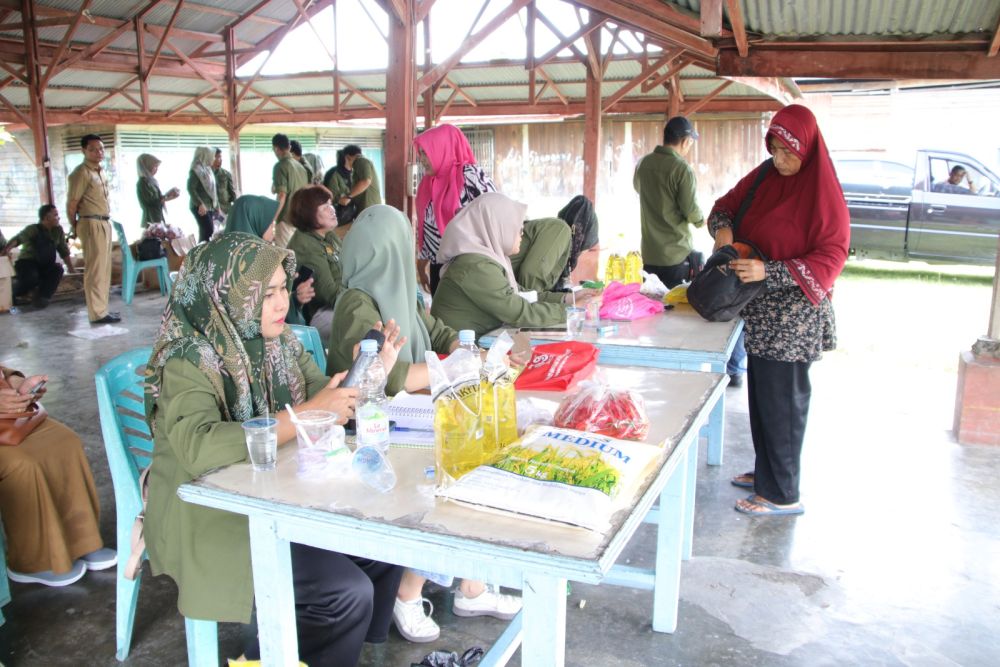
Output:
(224, 355)
(544, 255)
(381, 280)
(479, 289)
(48, 501)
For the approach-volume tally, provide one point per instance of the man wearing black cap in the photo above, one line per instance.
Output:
(667, 206)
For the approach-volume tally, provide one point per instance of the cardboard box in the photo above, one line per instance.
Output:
(6, 284)
(177, 250)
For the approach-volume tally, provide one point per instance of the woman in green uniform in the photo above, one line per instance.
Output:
(253, 214)
(544, 255)
(478, 287)
(338, 182)
(380, 283)
(224, 355)
(147, 189)
(317, 246)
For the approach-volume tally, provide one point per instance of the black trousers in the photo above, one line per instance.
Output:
(672, 276)
(206, 225)
(340, 603)
(30, 274)
(435, 277)
(779, 393)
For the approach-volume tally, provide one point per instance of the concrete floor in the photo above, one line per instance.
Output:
(895, 562)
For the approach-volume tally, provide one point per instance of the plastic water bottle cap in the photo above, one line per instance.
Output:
(466, 336)
(369, 345)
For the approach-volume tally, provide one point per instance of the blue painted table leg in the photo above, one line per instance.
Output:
(716, 432)
(506, 644)
(669, 545)
(544, 621)
(691, 485)
(273, 589)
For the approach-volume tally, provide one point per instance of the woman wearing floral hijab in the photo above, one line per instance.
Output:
(451, 180)
(223, 355)
(201, 188)
(799, 221)
(151, 199)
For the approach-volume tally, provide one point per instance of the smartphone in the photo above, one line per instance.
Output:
(38, 387)
(304, 274)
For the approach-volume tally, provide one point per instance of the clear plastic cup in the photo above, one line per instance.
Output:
(574, 320)
(262, 442)
(321, 447)
(373, 468)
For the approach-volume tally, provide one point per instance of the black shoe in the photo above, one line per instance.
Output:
(40, 302)
(110, 318)
(736, 380)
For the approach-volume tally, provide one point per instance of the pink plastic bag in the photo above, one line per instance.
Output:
(623, 302)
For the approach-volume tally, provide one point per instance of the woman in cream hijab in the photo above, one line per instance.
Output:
(201, 188)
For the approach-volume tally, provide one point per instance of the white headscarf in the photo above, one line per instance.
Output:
(145, 165)
(488, 226)
(201, 165)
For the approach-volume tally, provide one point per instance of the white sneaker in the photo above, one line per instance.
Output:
(101, 559)
(488, 603)
(50, 578)
(412, 623)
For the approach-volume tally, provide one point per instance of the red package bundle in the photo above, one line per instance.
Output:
(597, 408)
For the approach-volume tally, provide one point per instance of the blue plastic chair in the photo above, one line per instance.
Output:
(129, 447)
(132, 266)
(310, 339)
(4, 586)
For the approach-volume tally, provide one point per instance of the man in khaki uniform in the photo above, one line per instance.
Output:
(90, 217)
(288, 176)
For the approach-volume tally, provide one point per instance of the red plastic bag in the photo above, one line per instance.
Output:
(623, 302)
(558, 366)
(597, 408)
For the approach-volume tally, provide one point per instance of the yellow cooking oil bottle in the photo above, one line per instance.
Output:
(499, 410)
(458, 431)
(615, 269)
(633, 267)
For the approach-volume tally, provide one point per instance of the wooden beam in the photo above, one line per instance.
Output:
(247, 15)
(422, 9)
(468, 44)
(357, 91)
(196, 67)
(580, 56)
(711, 18)
(639, 78)
(860, 64)
(666, 76)
(739, 29)
(400, 108)
(140, 49)
(117, 91)
(700, 104)
(253, 112)
(271, 42)
(592, 118)
(101, 44)
(385, 38)
(396, 7)
(61, 50)
(17, 112)
(447, 105)
(606, 60)
(771, 86)
(568, 41)
(211, 115)
(461, 92)
(193, 35)
(551, 83)
(176, 110)
(300, 10)
(166, 34)
(995, 43)
(36, 94)
(20, 75)
(650, 23)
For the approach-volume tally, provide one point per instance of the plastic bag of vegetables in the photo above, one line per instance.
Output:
(596, 407)
(557, 474)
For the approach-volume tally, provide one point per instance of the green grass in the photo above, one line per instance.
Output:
(919, 271)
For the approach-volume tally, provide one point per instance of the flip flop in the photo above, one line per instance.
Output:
(769, 508)
(742, 480)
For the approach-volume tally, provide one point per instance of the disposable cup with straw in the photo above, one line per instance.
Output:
(321, 448)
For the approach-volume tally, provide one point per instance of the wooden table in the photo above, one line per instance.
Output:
(410, 527)
(677, 338)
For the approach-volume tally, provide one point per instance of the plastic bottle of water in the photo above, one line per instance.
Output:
(467, 341)
(371, 416)
(633, 267)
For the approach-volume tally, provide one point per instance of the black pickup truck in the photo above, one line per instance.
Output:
(904, 211)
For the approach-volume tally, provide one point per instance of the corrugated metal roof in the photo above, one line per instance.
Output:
(90, 79)
(799, 18)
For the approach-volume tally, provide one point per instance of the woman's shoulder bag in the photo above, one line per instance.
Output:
(717, 292)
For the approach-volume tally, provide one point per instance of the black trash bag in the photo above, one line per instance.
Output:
(150, 248)
(451, 659)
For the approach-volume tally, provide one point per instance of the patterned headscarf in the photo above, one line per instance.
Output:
(213, 320)
(580, 216)
(251, 214)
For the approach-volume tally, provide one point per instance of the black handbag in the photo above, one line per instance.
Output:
(150, 249)
(717, 293)
(346, 213)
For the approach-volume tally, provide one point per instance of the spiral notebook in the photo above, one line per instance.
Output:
(414, 412)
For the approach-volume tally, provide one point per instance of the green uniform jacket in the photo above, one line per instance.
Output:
(198, 193)
(206, 551)
(26, 239)
(151, 201)
(355, 315)
(474, 294)
(322, 255)
(288, 176)
(225, 190)
(667, 206)
(337, 185)
(363, 169)
(545, 245)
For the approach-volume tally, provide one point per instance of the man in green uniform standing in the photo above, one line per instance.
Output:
(667, 205)
(89, 215)
(287, 177)
(224, 188)
(364, 180)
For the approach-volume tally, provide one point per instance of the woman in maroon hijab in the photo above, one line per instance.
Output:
(799, 221)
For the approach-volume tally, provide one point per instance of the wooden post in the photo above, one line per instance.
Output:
(400, 106)
(428, 66)
(231, 106)
(36, 94)
(592, 120)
